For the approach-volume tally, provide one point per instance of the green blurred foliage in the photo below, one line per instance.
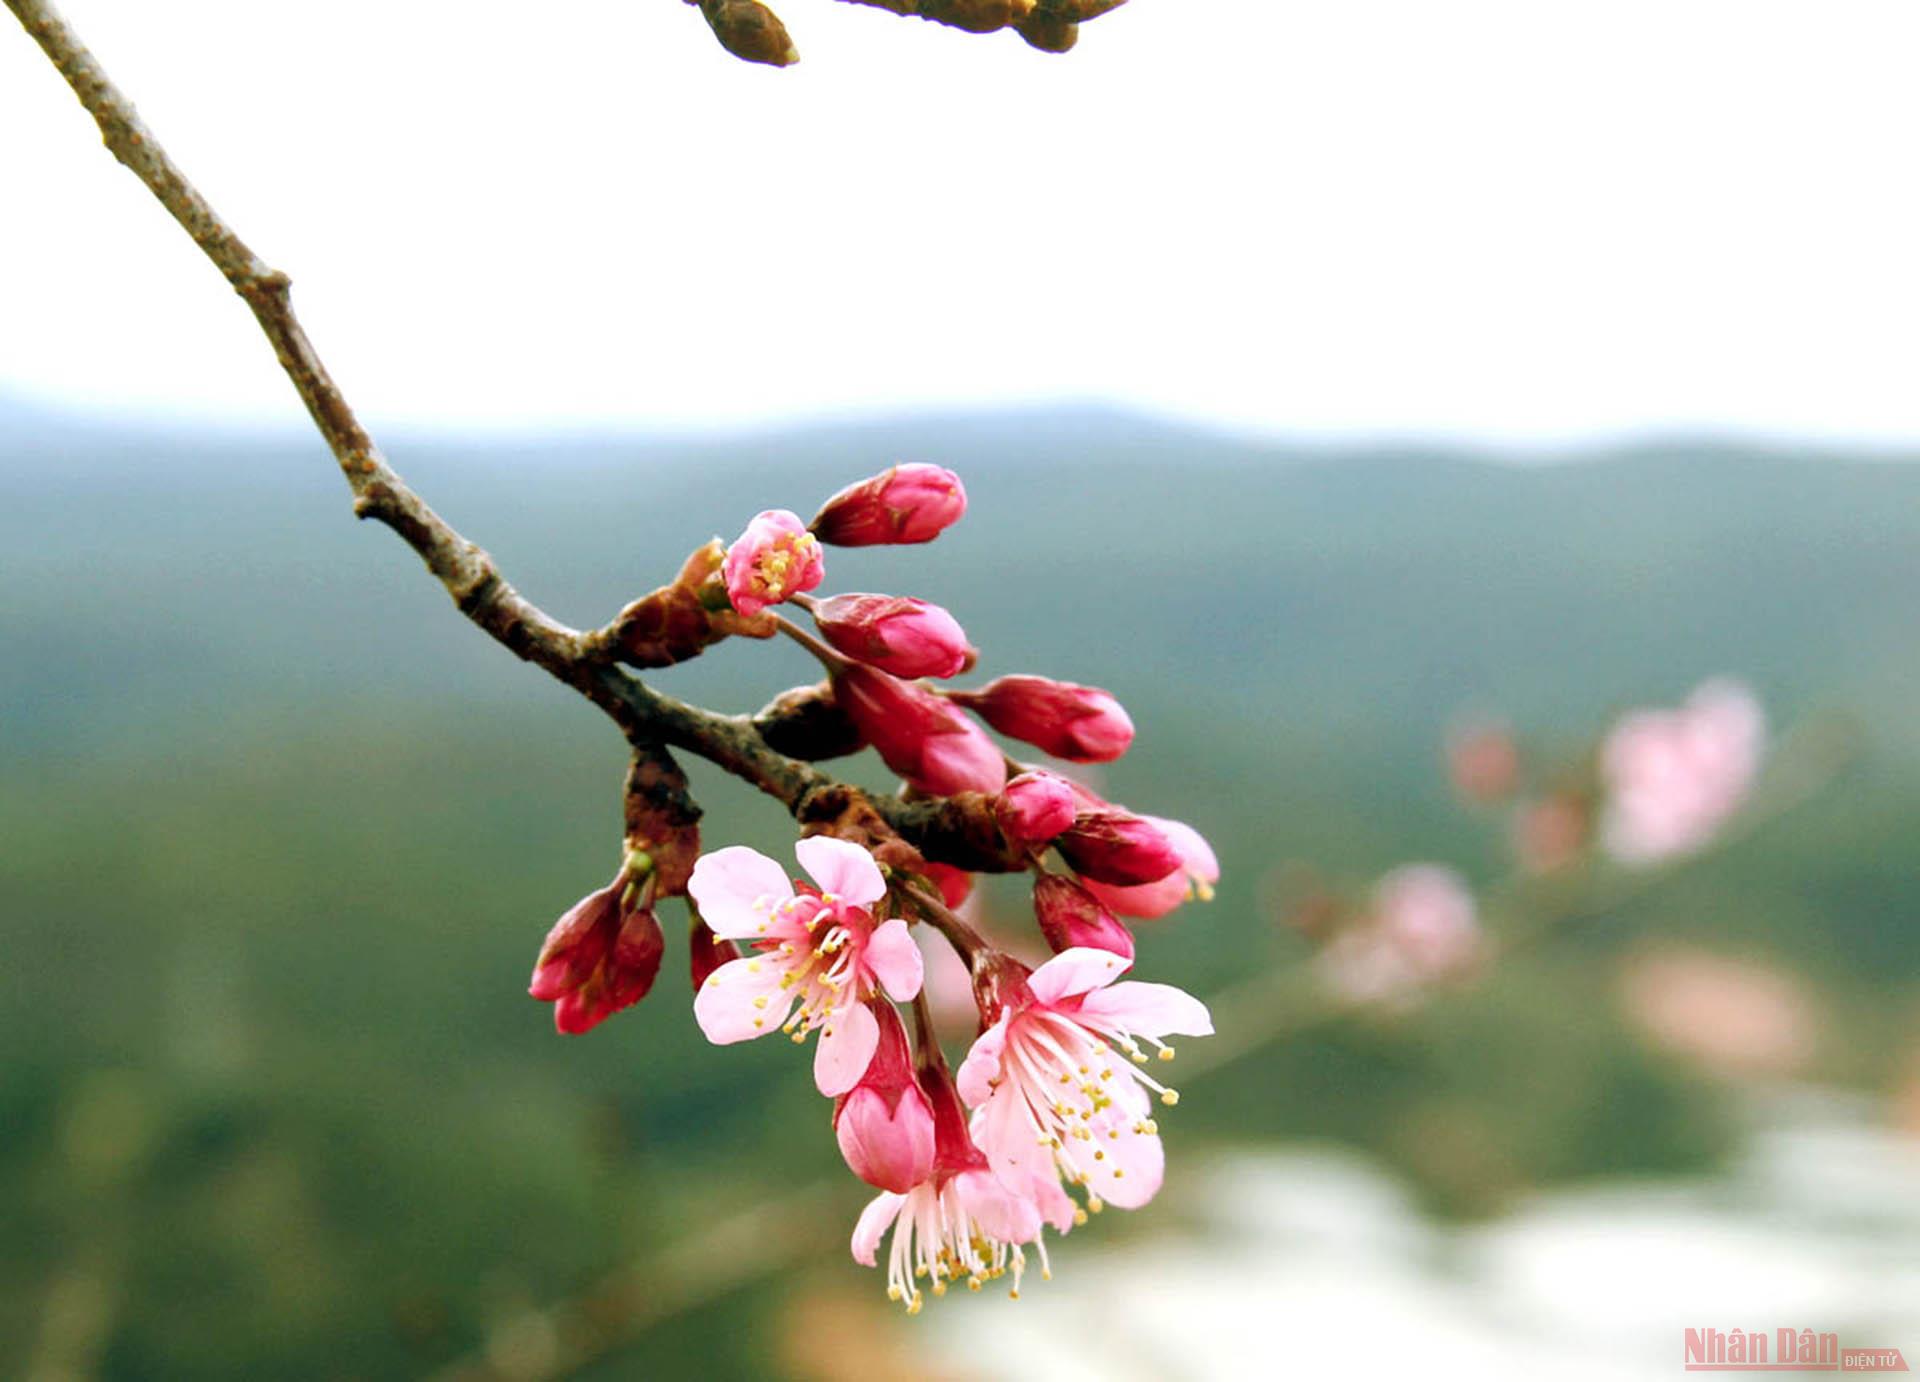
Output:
(282, 836)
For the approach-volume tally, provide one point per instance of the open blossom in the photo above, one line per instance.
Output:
(820, 950)
(1081, 724)
(959, 1223)
(1055, 1082)
(1674, 777)
(599, 957)
(1423, 927)
(933, 745)
(775, 559)
(909, 503)
(1199, 870)
(884, 1124)
(896, 633)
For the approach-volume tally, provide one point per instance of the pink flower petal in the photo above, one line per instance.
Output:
(1075, 971)
(1006, 1216)
(847, 1044)
(729, 1007)
(1154, 1010)
(1002, 1130)
(728, 882)
(895, 960)
(1144, 900)
(1131, 1166)
(981, 1068)
(889, 1149)
(873, 1224)
(842, 868)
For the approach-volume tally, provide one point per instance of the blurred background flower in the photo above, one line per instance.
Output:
(1381, 365)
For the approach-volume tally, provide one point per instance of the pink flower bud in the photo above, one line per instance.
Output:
(772, 561)
(935, 747)
(1199, 870)
(1081, 724)
(706, 952)
(1035, 807)
(955, 884)
(1070, 916)
(896, 633)
(1114, 846)
(597, 959)
(1484, 762)
(909, 503)
(884, 1124)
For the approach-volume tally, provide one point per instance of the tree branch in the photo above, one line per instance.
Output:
(961, 831)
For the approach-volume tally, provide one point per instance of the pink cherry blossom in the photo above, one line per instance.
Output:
(930, 743)
(1674, 777)
(909, 503)
(1115, 846)
(1070, 917)
(1081, 724)
(900, 634)
(1422, 928)
(823, 951)
(1199, 870)
(1052, 1100)
(1035, 807)
(775, 559)
(884, 1124)
(961, 1222)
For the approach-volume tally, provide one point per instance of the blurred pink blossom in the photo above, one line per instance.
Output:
(1674, 777)
(1735, 1017)
(1422, 928)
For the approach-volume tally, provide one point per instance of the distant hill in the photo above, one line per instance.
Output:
(279, 833)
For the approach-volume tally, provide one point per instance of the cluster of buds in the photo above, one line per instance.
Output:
(754, 33)
(1051, 1116)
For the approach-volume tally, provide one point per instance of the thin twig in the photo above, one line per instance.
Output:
(469, 575)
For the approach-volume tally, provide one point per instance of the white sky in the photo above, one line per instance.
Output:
(1487, 218)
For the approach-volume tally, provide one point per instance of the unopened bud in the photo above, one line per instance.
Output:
(600, 957)
(749, 30)
(930, 743)
(1114, 846)
(1070, 916)
(909, 503)
(955, 884)
(1034, 808)
(706, 952)
(1081, 724)
(884, 1124)
(896, 633)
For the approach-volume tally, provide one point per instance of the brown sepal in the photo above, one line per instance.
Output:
(662, 819)
(750, 31)
(679, 621)
(1048, 32)
(806, 723)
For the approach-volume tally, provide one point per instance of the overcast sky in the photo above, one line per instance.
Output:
(1486, 218)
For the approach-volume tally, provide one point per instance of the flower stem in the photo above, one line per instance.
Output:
(828, 657)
